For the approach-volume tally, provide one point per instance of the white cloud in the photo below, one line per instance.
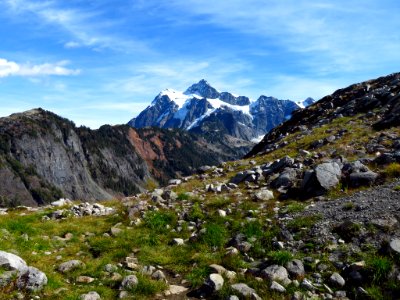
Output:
(72, 44)
(342, 35)
(86, 29)
(11, 68)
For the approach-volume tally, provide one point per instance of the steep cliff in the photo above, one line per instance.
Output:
(44, 157)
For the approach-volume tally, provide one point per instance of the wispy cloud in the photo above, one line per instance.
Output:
(85, 28)
(340, 35)
(11, 68)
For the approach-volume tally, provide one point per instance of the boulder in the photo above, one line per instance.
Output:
(215, 282)
(295, 268)
(337, 280)
(362, 178)
(11, 262)
(394, 246)
(282, 163)
(285, 179)
(32, 280)
(328, 174)
(276, 273)
(129, 282)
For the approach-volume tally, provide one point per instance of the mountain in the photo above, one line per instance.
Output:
(204, 110)
(44, 157)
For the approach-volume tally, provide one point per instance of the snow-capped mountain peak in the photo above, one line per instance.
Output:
(203, 89)
(203, 108)
(306, 102)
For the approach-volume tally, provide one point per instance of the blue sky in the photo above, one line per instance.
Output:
(101, 61)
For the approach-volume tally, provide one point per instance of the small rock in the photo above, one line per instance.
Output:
(115, 231)
(243, 289)
(158, 275)
(276, 287)
(177, 289)
(337, 280)
(178, 242)
(70, 266)
(276, 273)
(129, 282)
(84, 279)
(90, 296)
(307, 285)
(394, 246)
(264, 195)
(215, 282)
(295, 268)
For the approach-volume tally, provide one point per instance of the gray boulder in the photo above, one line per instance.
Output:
(337, 280)
(32, 280)
(394, 246)
(129, 282)
(328, 174)
(11, 262)
(362, 178)
(295, 268)
(286, 179)
(276, 273)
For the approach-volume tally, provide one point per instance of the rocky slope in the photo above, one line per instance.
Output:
(217, 115)
(378, 98)
(45, 157)
(313, 216)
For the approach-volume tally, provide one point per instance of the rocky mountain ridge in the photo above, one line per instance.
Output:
(44, 157)
(204, 110)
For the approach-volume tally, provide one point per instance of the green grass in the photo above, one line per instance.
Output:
(183, 196)
(280, 257)
(397, 188)
(393, 170)
(159, 220)
(216, 235)
(302, 222)
(379, 267)
(294, 207)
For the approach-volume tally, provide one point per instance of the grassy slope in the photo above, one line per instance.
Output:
(151, 239)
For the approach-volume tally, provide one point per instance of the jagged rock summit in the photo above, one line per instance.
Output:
(205, 110)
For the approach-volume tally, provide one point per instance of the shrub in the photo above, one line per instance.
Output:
(380, 267)
(393, 170)
(295, 207)
(302, 222)
(280, 257)
(159, 220)
(183, 196)
(252, 229)
(196, 213)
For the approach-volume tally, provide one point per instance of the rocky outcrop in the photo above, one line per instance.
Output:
(378, 98)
